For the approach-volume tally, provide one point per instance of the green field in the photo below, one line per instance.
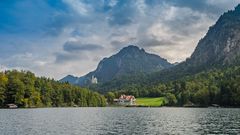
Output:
(152, 102)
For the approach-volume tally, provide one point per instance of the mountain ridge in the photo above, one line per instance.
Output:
(129, 60)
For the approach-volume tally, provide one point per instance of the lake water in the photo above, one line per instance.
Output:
(75, 121)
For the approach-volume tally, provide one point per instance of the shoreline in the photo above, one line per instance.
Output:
(210, 107)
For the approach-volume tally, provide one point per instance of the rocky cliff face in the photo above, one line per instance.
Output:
(219, 48)
(221, 45)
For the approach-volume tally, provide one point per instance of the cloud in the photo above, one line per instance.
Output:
(78, 6)
(72, 46)
(75, 50)
(68, 57)
(122, 13)
(222, 4)
(26, 61)
(153, 42)
(71, 36)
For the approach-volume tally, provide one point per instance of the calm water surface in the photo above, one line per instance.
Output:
(75, 121)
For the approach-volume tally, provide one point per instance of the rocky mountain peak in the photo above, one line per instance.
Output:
(131, 49)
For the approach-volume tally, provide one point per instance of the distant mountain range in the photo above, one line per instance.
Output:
(130, 60)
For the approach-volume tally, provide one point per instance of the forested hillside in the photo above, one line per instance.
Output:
(26, 90)
(217, 86)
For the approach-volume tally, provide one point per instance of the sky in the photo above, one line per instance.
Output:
(54, 38)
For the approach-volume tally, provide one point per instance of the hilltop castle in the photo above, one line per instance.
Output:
(94, 80)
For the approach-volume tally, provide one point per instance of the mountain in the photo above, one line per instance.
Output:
(69, 78)
(73, 80)
(130, 60)
(221, 45)
(219, 49)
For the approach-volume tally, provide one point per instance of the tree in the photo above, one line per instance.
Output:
(26, 90)
(15, 91)
(45, 89)
(3, 83)
(171, 99)
(202, 97)
(110, 97)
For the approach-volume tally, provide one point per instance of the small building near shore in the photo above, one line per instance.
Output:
(12, 106)
(125, 100)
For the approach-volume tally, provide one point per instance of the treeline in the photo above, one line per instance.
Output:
(217, 86)
(24, 89)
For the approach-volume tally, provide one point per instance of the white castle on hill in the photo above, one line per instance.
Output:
(94, 80)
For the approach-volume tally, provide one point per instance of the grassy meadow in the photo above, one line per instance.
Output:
(152, 102)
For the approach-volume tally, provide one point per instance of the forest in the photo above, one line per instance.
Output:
(215, 86)
(26, 90)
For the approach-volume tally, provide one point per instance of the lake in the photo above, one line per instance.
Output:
(75, 121)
